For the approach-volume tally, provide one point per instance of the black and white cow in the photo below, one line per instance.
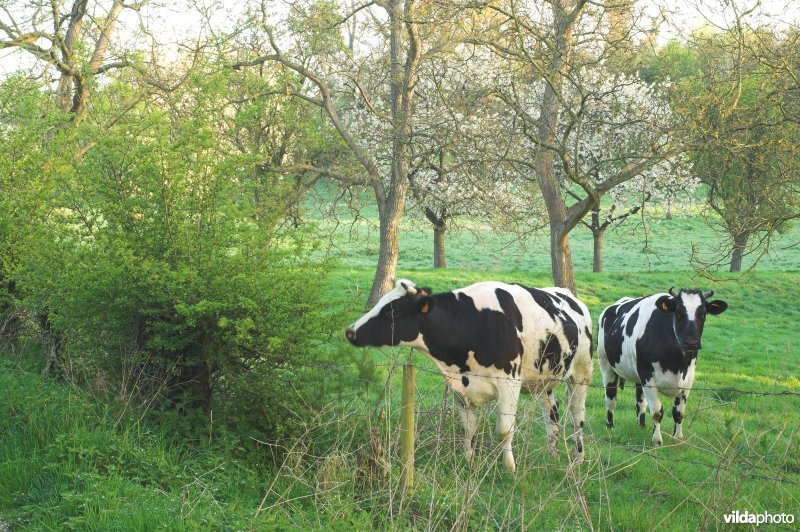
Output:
(653, 341)
(492, 340)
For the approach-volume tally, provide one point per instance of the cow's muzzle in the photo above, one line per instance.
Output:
(350, 334)
(692, 345)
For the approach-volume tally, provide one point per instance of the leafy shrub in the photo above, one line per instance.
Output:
(157, 275)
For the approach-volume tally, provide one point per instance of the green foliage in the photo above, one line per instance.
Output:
(736, 110)
(150, 261)
(317, 23)
(25, 120)
(672, 62)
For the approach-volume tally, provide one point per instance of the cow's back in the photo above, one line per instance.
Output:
(553, 325)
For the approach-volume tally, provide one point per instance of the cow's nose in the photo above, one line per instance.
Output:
(693, 345)
(350, 334)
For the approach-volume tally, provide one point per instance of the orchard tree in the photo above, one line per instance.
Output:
(557, 81)
(663, 184)
(382, 67)
(744, 140)
(72, 39)
(626, 119)
(459, 152)
(487, 192)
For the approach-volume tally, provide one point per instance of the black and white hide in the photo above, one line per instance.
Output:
(653, 341)
(492, 340)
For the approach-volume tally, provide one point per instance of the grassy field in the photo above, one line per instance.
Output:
(68, 461)
(637, 245)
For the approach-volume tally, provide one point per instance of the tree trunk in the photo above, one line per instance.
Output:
(597, 260)
(65, 89)
(389, 249)
(193, 386)
(560, 255)
(739, 245)
(51, 338)
(561, 259)
(669, 208)
(402, 83)
(81, 97)
(439, 257)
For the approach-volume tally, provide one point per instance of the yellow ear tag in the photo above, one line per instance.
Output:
(664, 305)
(425, 308)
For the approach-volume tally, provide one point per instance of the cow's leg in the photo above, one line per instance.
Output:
(576, 394)
(641, 407)
(678, 408)
(469, 420)
(507, 401)
(656, 410)
(610, 380)
(550, 412)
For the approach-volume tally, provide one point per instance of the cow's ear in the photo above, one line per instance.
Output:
(716, 307)
(666, 304)
(425, 304)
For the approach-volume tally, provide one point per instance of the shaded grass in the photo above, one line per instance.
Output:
(66, 461)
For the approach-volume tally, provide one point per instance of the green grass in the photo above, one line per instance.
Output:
(637, 245)
(67, 461)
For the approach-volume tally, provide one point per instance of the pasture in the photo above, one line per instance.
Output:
(198, 199)
(68, 459)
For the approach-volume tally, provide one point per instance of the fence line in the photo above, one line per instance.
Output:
(649, 453)
(350, 443)
(438, 411)
(438, 371)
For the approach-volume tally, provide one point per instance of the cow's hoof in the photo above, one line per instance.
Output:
(609, 425)
(510, 465)
(658, 440)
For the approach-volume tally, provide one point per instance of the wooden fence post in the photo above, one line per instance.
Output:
(407, 430)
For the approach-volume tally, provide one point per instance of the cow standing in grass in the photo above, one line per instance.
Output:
(492, 340)
(653, 341)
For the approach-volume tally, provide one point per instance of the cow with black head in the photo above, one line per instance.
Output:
(653, 341)
(492, 340)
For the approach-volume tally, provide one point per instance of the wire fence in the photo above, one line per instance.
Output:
(437, 371)
(352, 449)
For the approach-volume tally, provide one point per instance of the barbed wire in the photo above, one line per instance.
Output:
(548, 380)
(439, 449)
(351, 437)
(438, 410)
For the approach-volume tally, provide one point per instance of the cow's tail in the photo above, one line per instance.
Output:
(621, 383)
